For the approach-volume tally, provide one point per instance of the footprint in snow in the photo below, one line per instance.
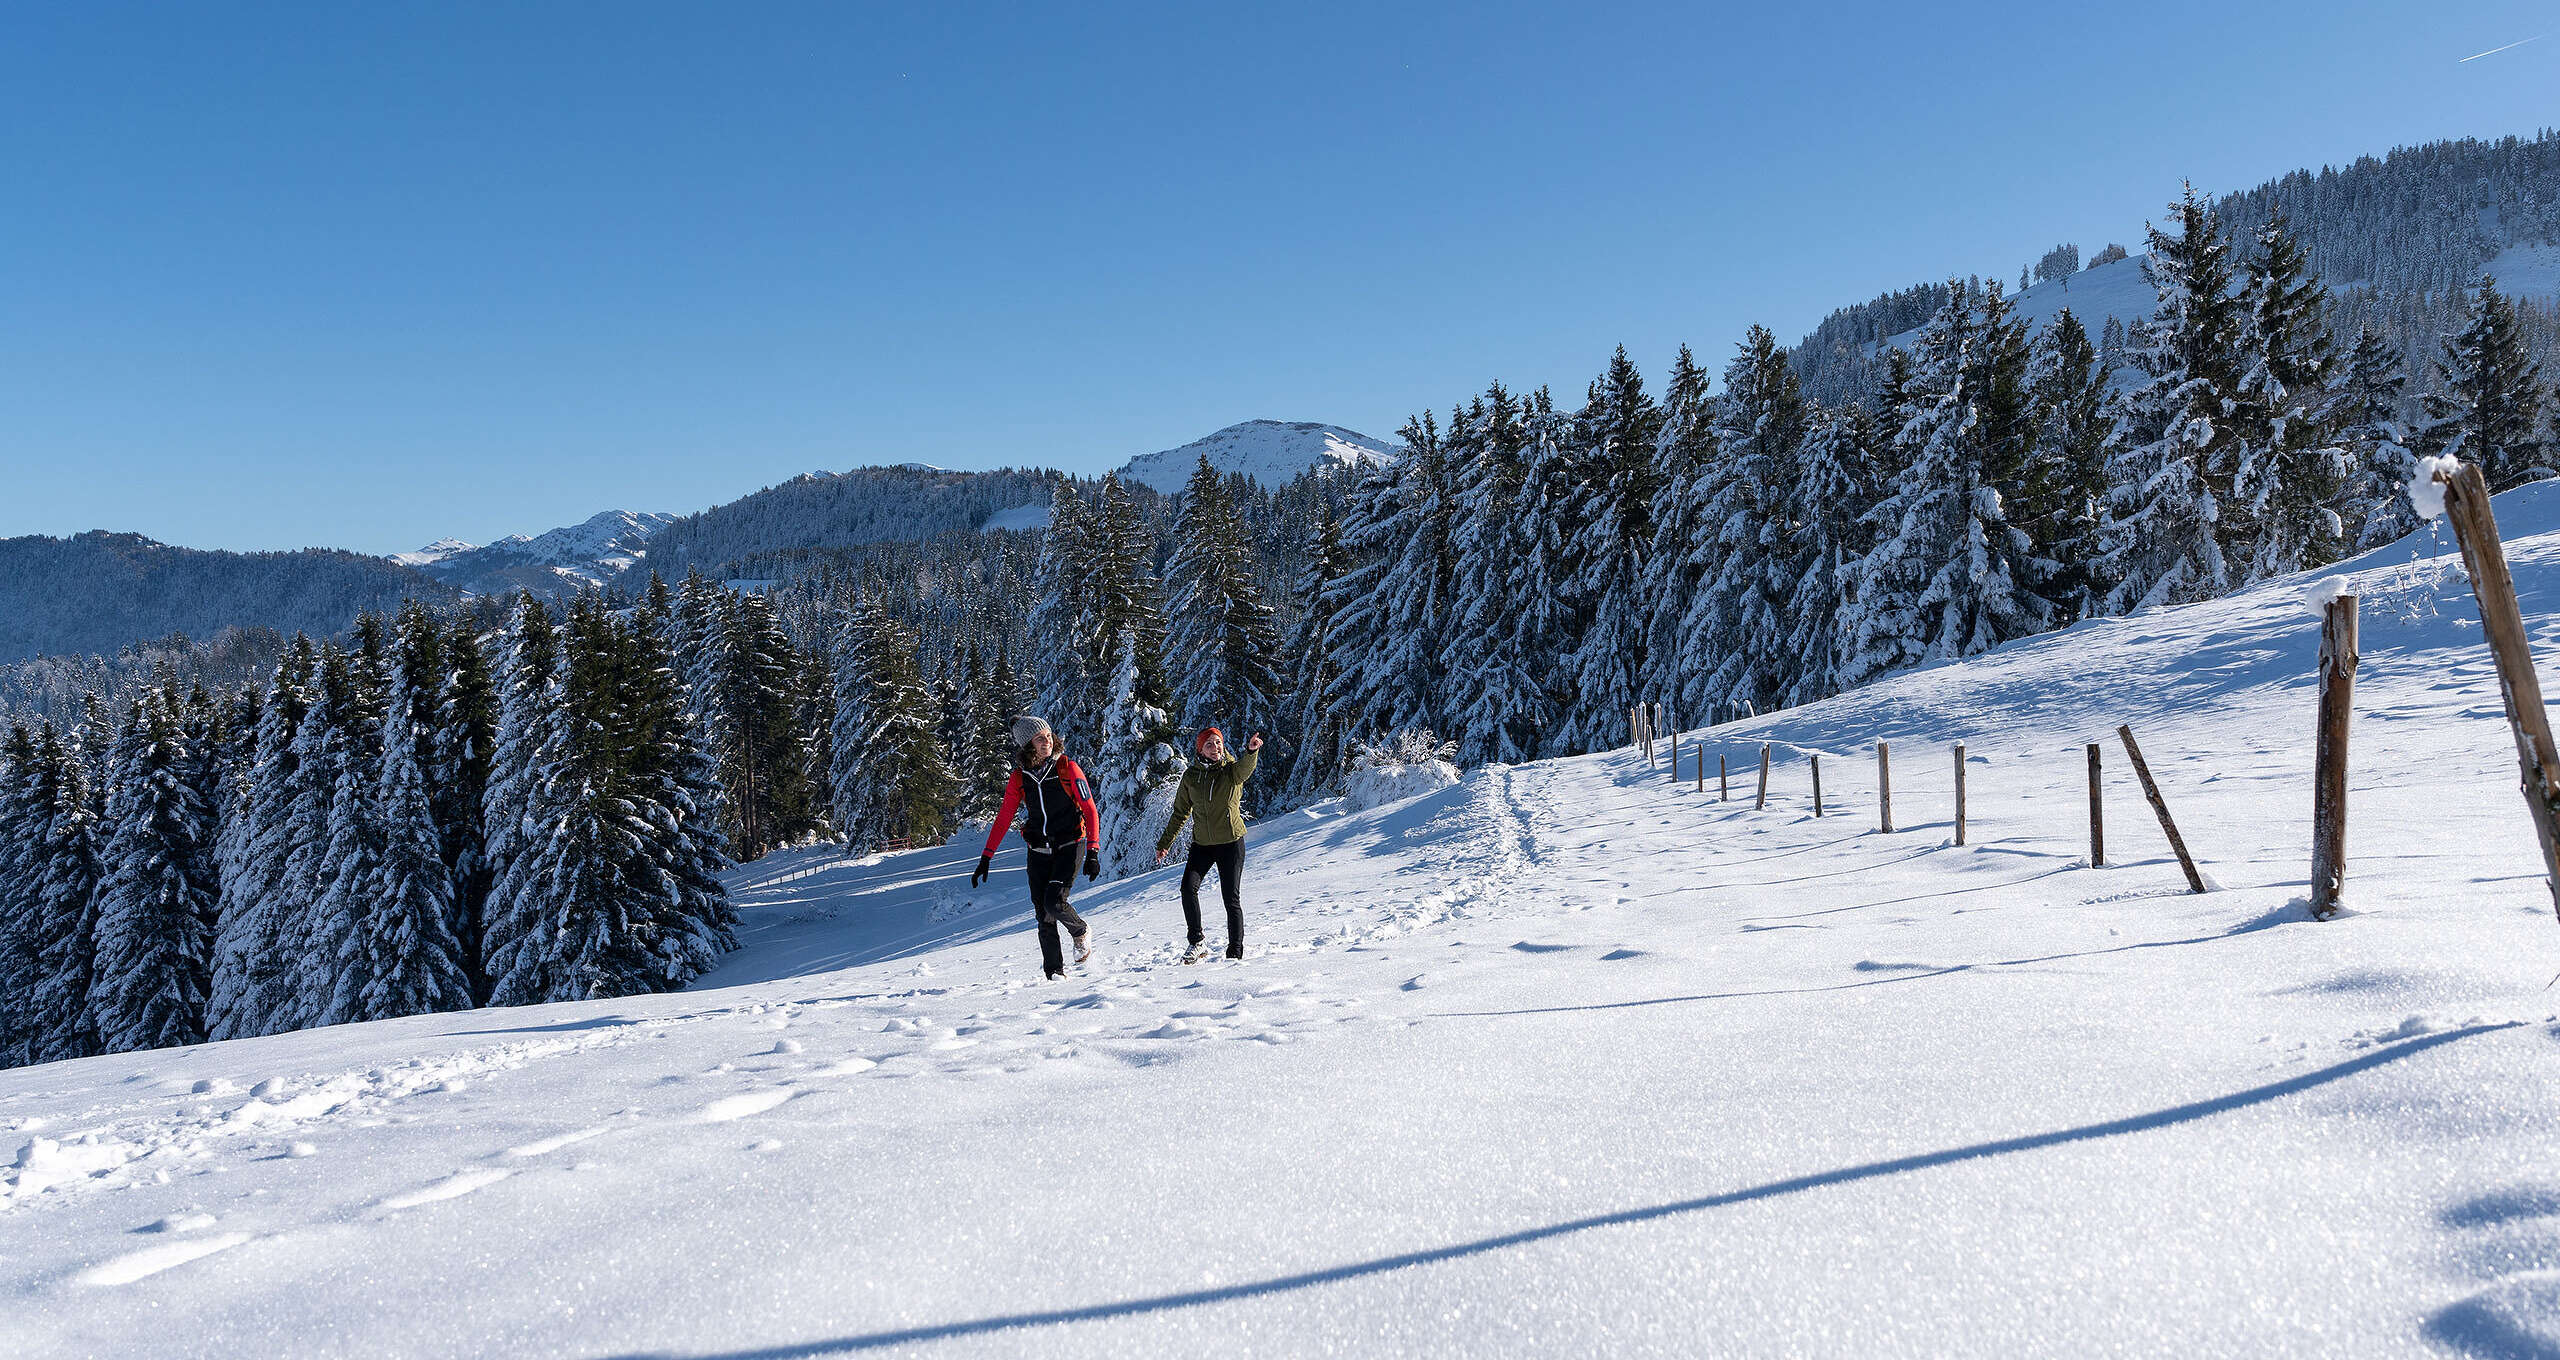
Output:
(1532, 947)
(151, 1261)
(179, 1223)
(1615, 955)
(741, 1106)
(454, 1186)
(545, 1146)
(845, 1068)
(1417, 982)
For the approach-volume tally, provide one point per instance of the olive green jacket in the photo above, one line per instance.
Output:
(1213, 796)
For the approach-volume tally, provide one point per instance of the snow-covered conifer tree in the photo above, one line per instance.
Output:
(2369, 406)
(2291, 476)
(1221, 647)
(2171, 462)
(1620, 427)
(2487, 408)
(252, 965)
(154, 944)
(1135, 784)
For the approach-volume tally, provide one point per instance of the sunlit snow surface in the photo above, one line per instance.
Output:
(1567, 1059)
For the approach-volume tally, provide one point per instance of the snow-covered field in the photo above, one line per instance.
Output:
(1570, 1058)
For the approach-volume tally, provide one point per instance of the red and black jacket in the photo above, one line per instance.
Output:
(1056, 802)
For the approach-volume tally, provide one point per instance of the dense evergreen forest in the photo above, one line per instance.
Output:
(494, 802)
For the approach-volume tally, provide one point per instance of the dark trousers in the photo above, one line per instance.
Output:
(1230, 861)
(1053, 873)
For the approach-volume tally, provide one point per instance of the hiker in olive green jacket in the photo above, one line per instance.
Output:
(1211, 796)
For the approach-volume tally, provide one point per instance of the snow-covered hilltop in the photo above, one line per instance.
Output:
(1271, 452)
(552, 563)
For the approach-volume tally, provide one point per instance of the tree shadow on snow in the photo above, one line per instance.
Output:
(1194, 1298)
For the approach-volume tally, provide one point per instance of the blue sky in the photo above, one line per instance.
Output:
(367, 275)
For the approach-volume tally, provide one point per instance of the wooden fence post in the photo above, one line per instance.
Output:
(1724, 782)
(2160, 805)
(2097, 815)
(2329, 771)
(1884, 787)
(1817, 783)
(1764, 778)
(1959, 793)
(2466, 503)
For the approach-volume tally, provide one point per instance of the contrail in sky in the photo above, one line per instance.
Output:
(2496, 50)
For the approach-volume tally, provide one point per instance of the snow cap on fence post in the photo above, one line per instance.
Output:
(2321, 594)
(2426, 490)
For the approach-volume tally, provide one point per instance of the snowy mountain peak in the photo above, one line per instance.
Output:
(1271, 452)
(434, 552)
(563, 559)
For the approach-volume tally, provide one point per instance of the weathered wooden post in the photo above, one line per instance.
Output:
(1724, 782)
(1816, 758)
(1764, 778)
(1884, 787)
(2160, 805)
(1959, 793)
(2097, 815)
(2329, 769)
(2466, 503)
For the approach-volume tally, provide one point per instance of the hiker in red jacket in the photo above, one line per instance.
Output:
(1059, 825)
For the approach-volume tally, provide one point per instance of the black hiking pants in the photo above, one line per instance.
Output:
(1053, 875)
(1230, 861)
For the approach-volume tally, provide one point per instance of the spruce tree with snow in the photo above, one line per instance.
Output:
(1619, 429)
(2487, 408)
(1393, 610)
(1682, 549)
(1062, 613)
(2067, 381)
(683, 918)
(1828, 501)
(2370, 395)
(154, 915)
(1545, 626)
(24, 812)
(2169, 472)
(59, 1014)
(1497, 706)
(1139, 771)
(2291, 476)
(894, 780)
(1315, 740)
(338, 741)
(1734, 637)
(1950, 574)
(464, 740)
(260, 913)
(521, 813)
(1221, 644)
(755, 676)
(856, 811)
(1003, 697)
(390, 904)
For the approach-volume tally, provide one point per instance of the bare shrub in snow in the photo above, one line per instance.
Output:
(1405, 764)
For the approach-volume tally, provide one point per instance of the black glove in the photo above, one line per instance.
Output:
(981, 876)
(1092, 863)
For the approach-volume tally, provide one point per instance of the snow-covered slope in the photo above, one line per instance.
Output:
(562, 560)
(1571, 1058)
(2528, 271)
(1271, 452)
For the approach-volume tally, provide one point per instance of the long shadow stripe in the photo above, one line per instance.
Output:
(1194, 1298)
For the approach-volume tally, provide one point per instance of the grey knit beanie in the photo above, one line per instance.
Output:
(1026, 727)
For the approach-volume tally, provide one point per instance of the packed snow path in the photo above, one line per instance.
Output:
(1567, 1059)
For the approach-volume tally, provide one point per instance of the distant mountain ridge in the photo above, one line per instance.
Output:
(1271, 452)
(560, 561)
(98, 592)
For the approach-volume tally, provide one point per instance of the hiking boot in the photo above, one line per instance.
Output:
(1084, 946)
